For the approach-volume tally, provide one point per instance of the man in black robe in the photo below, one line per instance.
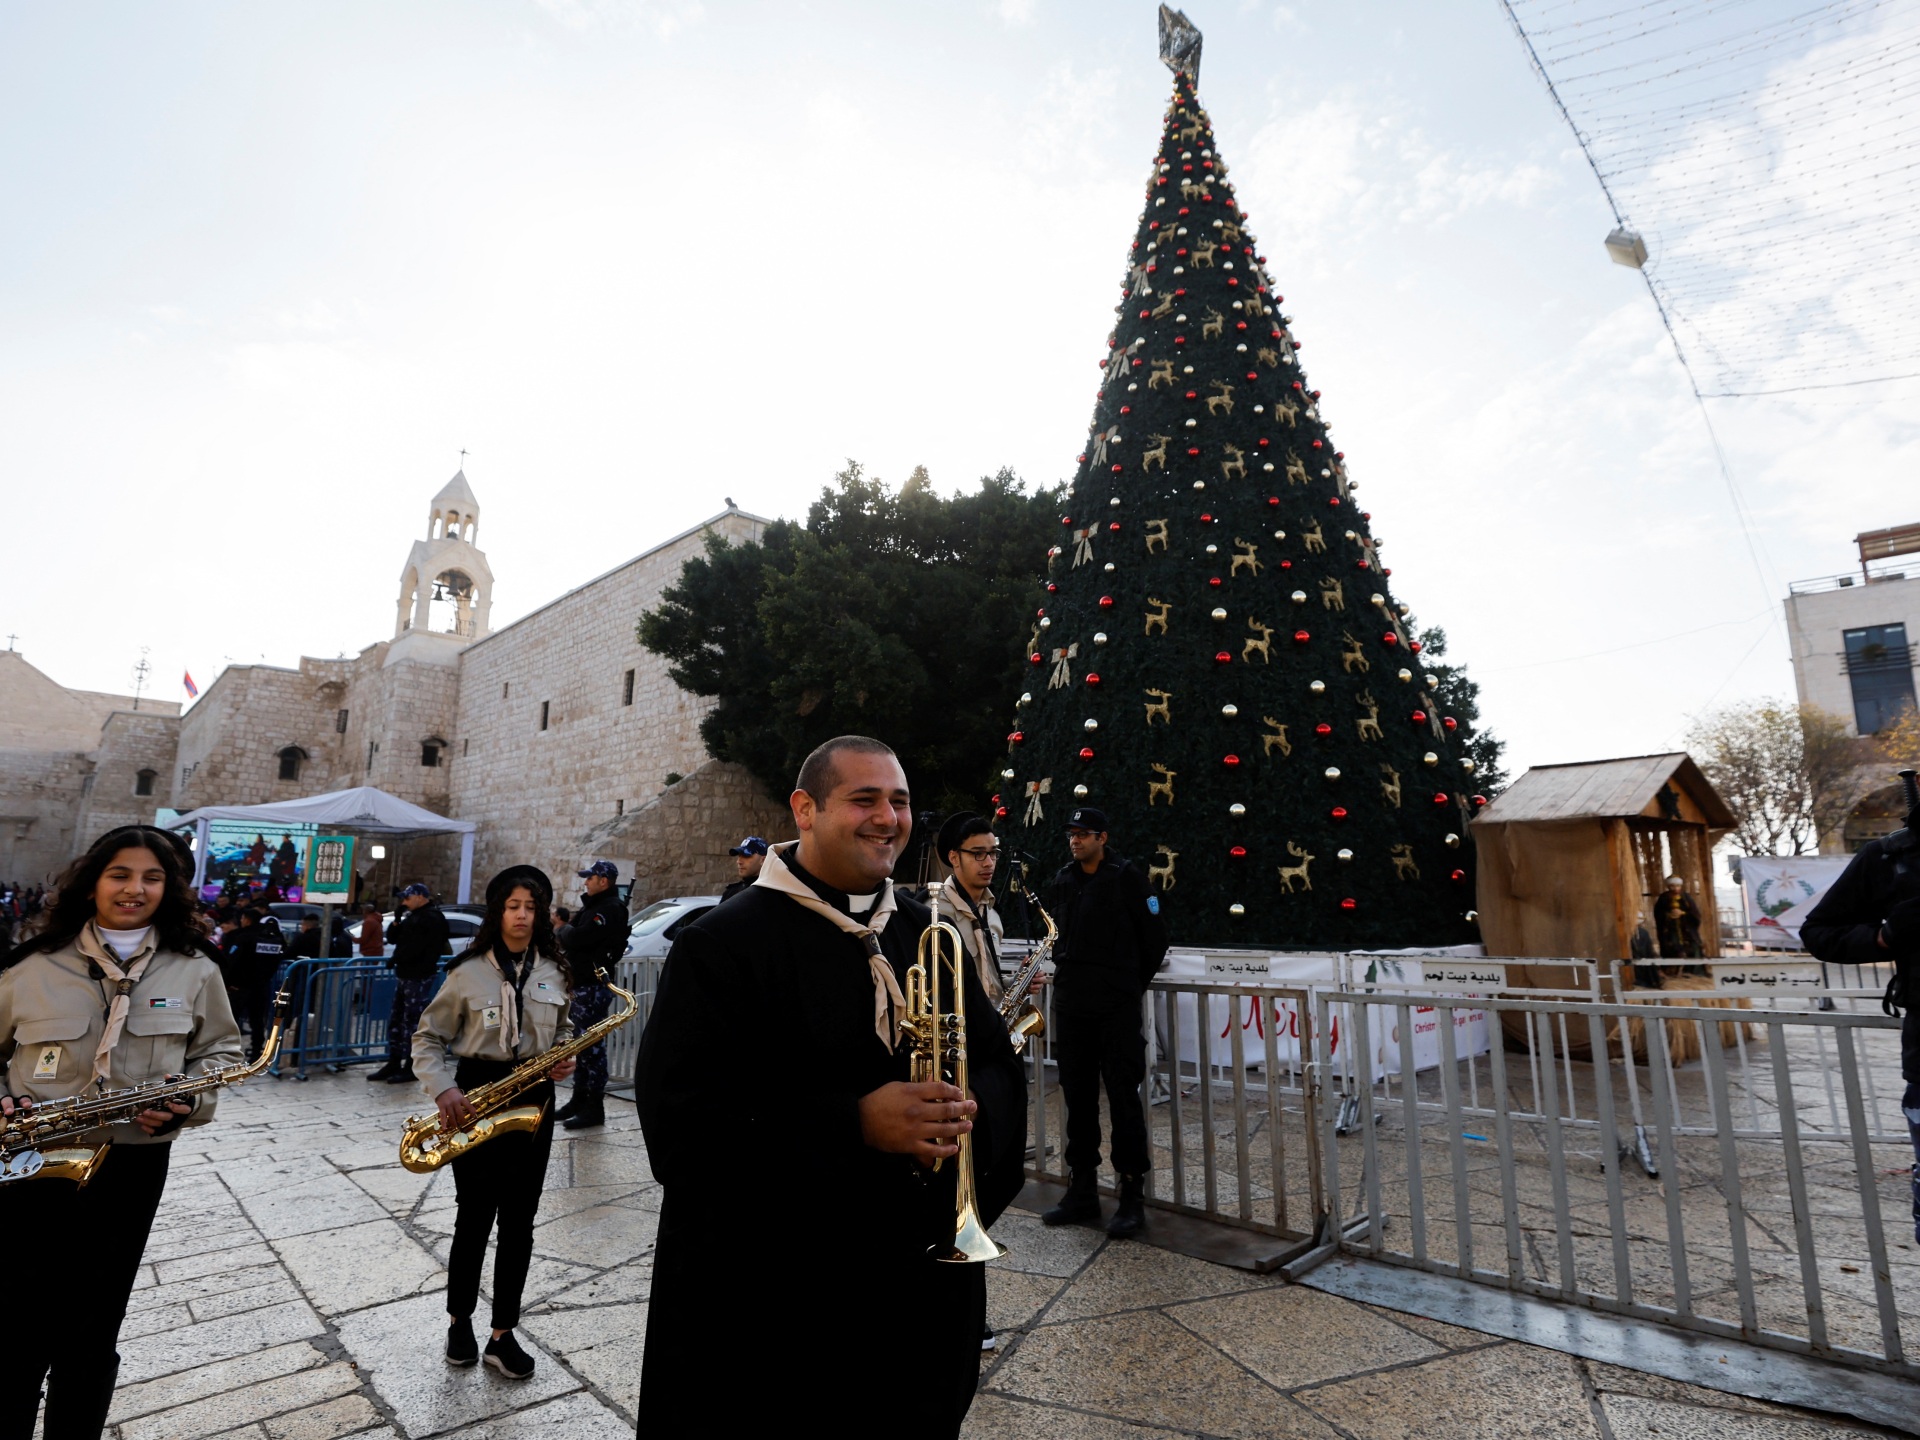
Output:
(792, 1280)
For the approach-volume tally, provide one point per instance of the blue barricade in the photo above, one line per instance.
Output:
(338, 1015)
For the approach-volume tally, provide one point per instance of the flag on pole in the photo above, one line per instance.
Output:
(186, 679)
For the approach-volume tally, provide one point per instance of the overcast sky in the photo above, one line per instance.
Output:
(265, 270)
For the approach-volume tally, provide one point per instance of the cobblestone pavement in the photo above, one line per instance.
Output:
(292, 1292)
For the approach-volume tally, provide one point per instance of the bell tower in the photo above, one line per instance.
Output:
(446, 586)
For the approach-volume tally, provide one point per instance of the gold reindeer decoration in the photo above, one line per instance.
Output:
(1354, 656)
(1390, 787)
(1221, 401)
(1403, 866)
(1333, 595)
(1158, 707)
(1234, 464)
(1286, 410)
(1275, 739)
(1296, 472)
(1203, 252)
(1163, 873)
(1214, 326)
(1246, 554)
(1156, 452)
(1291, 873)
(1369, 723)
(1268, 357)
(1162, 786)
(1316, 542)
(1261, 640)
(1156, 535)
(1160, 312)
(1159, 617)
(1160, 373)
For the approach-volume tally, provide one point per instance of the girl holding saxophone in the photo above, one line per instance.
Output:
(115, 989)
(503, 1001)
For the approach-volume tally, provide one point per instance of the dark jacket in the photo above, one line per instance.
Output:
(848, 1252)
(1112, 940)
(253, 954)
(597, 937)
(1844, 928)
(733, 889)
(419, 938)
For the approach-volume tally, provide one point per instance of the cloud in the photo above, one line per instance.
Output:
(1016, 12)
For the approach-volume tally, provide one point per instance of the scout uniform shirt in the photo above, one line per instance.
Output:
(467, 1020)
(53, 1013)
(982, 948)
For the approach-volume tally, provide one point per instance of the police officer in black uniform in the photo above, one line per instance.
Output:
(1111, 943)
(420, 937)
(251, 957)
(1871, 915)
(596, 939)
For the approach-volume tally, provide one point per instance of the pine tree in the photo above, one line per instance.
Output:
(1218, 661)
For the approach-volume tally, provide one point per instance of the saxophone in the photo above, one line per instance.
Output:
(24, 1135)
(425, 1147)
(1023, 1018)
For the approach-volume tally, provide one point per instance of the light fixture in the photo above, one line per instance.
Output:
(1627, 248)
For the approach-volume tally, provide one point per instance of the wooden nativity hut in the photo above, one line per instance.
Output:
(1571, 856)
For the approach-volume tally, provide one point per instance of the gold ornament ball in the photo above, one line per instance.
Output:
(1006, 774)
(1299, 597)
(1318, 687)
(1431, 758)
(1229, 711)
(1344, 856)
(1237, 810)
(1219, 614)
(1099, 637)
(1332, 772)
(1405, 675)
(1236, 910)
(1453, 841)
(1079, 792)
(1026, 697)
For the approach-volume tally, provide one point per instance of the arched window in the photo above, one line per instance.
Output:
(143, 782)
(291, 759)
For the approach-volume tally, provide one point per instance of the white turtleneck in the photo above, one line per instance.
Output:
(124, 942)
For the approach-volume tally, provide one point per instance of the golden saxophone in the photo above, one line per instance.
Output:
(939, 1049)
(1023, 1018)
(24, 1136)
(425, 1147)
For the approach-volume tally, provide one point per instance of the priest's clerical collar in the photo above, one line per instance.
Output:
(840, 900)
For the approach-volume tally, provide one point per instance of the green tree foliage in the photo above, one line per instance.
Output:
(894, 614)
(1459, 696)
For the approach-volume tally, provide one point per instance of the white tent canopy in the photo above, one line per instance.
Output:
(362, 810)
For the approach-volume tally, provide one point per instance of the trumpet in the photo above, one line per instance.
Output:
(425, 1147)
(24, 1136)
(1022, 1017)
(939, 1053)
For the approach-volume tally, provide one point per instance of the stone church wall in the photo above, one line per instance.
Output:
(130, 741)
(230, 742)
(548, 746)
(677, 843)
(40, 797)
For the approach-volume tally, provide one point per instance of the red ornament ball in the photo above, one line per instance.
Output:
(1000, 812)
(1479, 801)
(1230, 761)
(1419, 717)
(1339, 812)
(1206, 519)
(1034, 658)
(1301, 637)
(1086, 752)
(1093, 678)
(1016, 737)
(1215, 581)
(1066, 519)
(1114, 525)
(1458, 877)
(1273, 501)
(1106, 602)
(1223, 657)
(1449, 722)
(1439, 797)
(1415, 646)
(1389, 639)
(1323, 729)
(1349, 903)
(1238, 852)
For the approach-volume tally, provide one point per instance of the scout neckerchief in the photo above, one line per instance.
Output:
(888, 1003)
(979, 919)
(510, 992)
(101, 954)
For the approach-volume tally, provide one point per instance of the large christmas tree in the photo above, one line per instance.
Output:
(1218, 661)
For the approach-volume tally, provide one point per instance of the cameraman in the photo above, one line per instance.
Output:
(1872, 915)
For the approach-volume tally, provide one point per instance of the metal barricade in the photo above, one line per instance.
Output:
(641, 975)
(338, 1016)
(1229, 1102)
(1772, 1159)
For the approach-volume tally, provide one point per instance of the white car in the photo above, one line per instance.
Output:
(655, 928)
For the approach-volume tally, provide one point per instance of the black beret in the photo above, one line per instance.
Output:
(531, 876)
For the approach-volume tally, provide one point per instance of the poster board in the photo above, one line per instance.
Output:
(1780, 891)
(329, 869)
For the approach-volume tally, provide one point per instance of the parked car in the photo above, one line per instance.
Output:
(655, 927)
(462, 926)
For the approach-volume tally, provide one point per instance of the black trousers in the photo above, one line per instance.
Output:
(500, 1183)
(75, 1257)
(253, 1002)
(1093, 1047)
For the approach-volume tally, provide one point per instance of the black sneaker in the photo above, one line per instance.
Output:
(506, 1356)
(461, 1349)
(987, 1340)
(403, 1076)
(385, 1072)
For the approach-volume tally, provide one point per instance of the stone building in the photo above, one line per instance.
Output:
(562, 737)
(74, 763)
